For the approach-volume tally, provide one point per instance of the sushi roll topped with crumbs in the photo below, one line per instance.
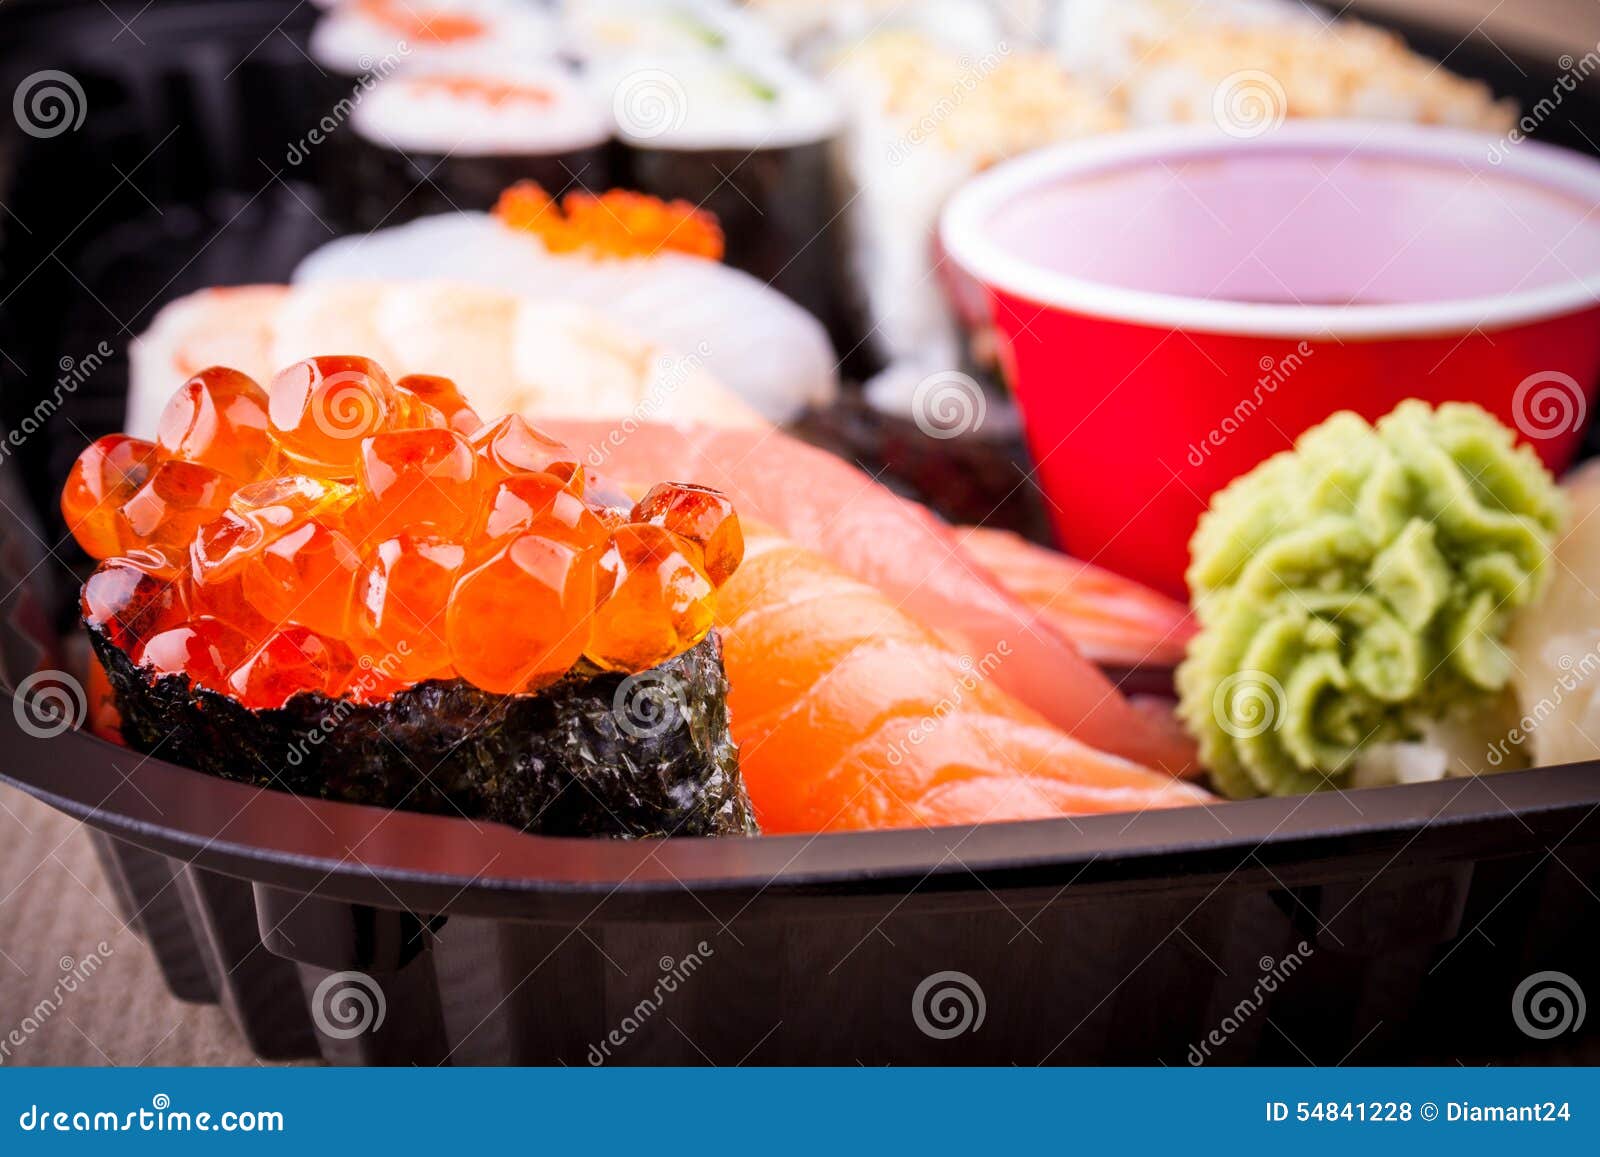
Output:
(925, 118)
(1245, 65)
(452, 132)
(653, 267)
(467, 618)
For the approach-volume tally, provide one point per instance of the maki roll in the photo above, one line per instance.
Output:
(358, 38)
(1248, 64)
(353, 587)
(358, 44)
(450, 134)
(903, 161)
(604, 29)
(747, 138)
(652, 267)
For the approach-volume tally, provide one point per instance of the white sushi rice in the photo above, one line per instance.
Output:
(354, 37)
(507, 354)
(604, 29)
(773, 353)
(695, 102)
(416, 110)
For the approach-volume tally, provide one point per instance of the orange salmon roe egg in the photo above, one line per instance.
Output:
(205, 649)
(174, 503)
(513, 446)
(610, 503)
(442, 395)
(291, 660)
(218, 418)
(702, 515)
(618, 223)
(307, 575)
(271, 537)
(418, 477)
(404, 588)
(660, 603)
(104, 477)
(520, 620)
(540, 504)
(321, 408)
(130, 601)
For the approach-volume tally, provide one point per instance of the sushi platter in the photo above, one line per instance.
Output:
(1046, 510)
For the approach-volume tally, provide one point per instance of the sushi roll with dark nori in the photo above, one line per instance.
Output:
(451, 133)
(352, 587)
(358, 44)
(603, 29)
(749, 139)
(357, 38)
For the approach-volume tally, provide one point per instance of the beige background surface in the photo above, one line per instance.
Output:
(55, 904)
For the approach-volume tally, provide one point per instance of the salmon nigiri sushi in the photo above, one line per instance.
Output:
(851, 715)
(828, 506)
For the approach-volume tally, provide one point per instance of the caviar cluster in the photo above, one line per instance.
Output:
(344, 533)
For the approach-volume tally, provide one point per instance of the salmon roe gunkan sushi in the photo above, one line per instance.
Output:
(340, 532)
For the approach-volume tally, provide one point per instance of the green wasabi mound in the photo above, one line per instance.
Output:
(1352, 589)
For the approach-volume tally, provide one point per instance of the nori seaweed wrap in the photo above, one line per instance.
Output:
(596, 754)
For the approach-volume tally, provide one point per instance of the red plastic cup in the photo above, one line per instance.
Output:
(1175, 306)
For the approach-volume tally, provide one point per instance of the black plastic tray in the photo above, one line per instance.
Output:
(1395, 924)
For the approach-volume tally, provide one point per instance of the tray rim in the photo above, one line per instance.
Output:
(423, 862)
